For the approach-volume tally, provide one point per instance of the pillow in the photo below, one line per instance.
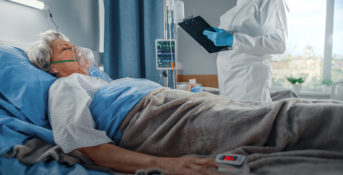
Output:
(11, 109)
(24, 85)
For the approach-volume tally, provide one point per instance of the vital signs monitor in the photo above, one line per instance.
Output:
(165, 54)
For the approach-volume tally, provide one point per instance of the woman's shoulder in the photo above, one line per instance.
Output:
(77, 80)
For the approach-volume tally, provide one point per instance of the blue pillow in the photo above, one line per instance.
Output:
(11, 109)
(24, 85)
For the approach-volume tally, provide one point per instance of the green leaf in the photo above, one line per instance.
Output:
(292, 80)
(295, 80)
(300, 80)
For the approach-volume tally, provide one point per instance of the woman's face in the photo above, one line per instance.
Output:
(63, 50)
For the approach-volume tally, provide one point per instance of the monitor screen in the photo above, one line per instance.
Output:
(165, 54)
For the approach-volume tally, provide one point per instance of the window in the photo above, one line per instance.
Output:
(307, 33)
(337, 49)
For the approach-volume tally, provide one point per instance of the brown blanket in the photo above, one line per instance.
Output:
(291, 136)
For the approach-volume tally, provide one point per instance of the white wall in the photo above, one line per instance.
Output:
(193, 58)
(78, 19)
(101, 25)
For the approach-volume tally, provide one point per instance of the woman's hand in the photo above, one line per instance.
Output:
(121, 159)
(188, 166)
(219, 37)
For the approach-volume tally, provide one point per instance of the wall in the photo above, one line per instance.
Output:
(191, 52)
(101, 25)
(78, 19)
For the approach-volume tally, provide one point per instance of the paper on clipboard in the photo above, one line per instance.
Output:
(195, 26)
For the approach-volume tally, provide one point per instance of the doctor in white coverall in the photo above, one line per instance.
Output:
(255, 29)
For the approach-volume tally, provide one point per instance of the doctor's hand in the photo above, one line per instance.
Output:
(219, 37)
(188, 165)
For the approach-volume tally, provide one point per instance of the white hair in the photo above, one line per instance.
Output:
(40, 52)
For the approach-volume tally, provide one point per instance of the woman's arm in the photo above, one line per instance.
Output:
(120, 159)
(274, 43)
(274, 23)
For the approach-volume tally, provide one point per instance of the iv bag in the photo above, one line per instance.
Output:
(179, 11)
(170, 4)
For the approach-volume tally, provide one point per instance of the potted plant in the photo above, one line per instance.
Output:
(326, 86)
(296, 82)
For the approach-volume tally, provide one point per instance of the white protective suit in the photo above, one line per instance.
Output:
(259, 28)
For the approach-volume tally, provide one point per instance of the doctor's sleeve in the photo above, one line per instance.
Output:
(275, 33)
(72, 124)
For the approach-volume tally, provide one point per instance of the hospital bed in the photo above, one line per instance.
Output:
(23, 116)
(23, 112)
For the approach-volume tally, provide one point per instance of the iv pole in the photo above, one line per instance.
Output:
(168, 20)
(165, 72)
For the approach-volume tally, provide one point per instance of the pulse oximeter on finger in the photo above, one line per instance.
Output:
(228, 159)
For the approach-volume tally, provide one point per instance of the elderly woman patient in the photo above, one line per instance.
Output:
(130, 124)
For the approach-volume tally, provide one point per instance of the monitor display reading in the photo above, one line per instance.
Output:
(165, 54)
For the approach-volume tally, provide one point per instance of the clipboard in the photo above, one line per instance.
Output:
(195, 26)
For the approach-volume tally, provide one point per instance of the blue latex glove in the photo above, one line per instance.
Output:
(196, 88)
(220, 37)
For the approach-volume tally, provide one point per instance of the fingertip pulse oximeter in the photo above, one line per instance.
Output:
(230, 159)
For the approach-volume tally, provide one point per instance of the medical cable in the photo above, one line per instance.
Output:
(165, 76)
(160, 80)
(52, 19)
